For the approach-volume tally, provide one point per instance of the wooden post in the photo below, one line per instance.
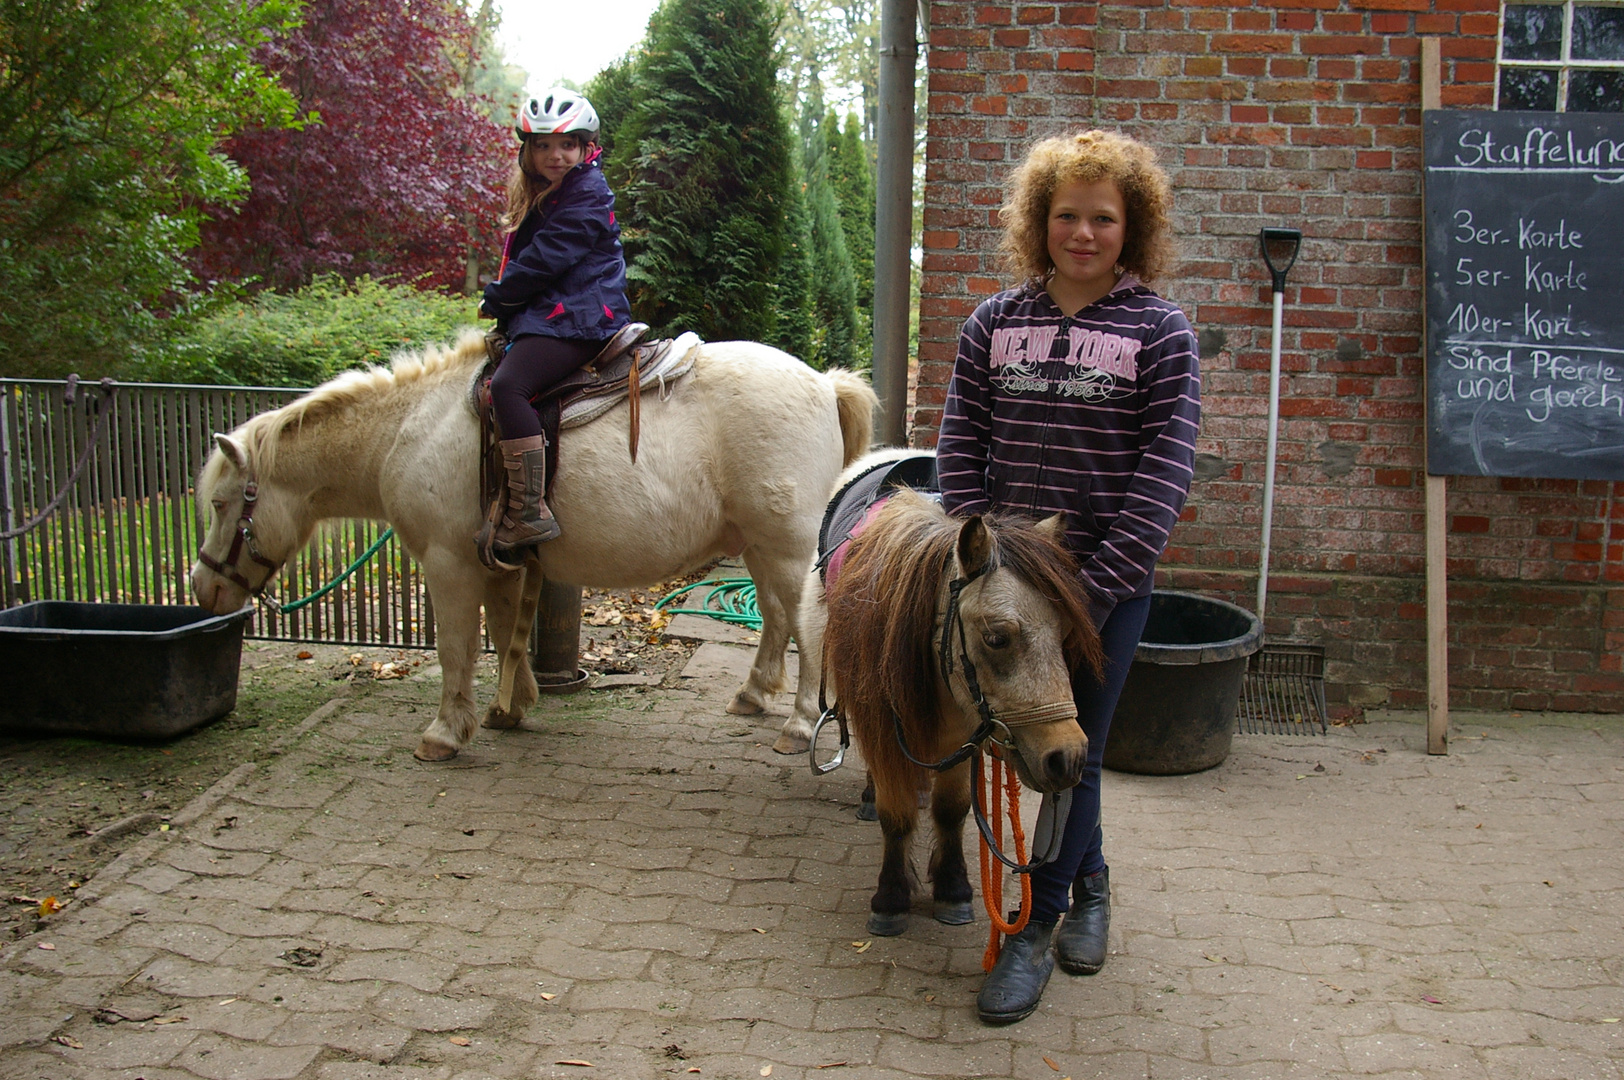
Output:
(556, 636)
(1437, 554)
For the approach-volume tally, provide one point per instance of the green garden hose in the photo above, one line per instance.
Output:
(732, 600)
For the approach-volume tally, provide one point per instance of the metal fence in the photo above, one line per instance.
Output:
(127, 530)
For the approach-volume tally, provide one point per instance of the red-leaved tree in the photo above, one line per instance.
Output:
(399, 172)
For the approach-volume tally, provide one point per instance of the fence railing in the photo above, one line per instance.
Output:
(127, 529)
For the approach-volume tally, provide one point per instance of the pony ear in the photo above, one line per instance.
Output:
(235, 451)
(975, 546)
(1053, 529)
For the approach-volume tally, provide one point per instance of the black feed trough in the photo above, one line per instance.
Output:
(116, 671)
(1177, 709)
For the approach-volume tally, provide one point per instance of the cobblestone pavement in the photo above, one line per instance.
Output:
(633, 879)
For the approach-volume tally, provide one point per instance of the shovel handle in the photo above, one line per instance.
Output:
(1272, 235)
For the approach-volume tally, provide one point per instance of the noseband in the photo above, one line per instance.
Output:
(242, 541)
(1052, 817)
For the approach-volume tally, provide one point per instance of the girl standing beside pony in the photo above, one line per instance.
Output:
(1078, 392)
(561, 292)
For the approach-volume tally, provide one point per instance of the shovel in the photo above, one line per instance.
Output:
(1285, 242)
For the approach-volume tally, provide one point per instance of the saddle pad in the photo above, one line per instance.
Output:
(849, 511)
(672, 364)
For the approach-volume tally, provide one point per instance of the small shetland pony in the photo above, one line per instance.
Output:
(930, 619)
(739, 457)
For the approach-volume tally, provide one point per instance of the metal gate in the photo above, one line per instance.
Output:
(127, 529)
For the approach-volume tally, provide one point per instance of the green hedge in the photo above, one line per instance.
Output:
(306, 337)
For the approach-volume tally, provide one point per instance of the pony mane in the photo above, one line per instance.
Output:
(883, 609)
(261, 434)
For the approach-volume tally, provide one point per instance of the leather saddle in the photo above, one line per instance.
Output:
(615, 373)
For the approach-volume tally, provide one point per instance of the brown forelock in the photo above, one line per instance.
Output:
(1052, 570)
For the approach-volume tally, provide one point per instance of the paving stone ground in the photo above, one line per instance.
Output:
(633, 879)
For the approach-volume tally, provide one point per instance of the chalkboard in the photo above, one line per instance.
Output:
(1525, 294)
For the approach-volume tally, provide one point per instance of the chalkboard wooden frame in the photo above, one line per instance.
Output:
(1525, 293)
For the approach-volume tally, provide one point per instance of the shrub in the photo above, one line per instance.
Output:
(305, 337)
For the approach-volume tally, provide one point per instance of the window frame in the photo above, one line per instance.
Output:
(1564, 65)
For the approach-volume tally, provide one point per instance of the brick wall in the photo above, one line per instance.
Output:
(1303, 113)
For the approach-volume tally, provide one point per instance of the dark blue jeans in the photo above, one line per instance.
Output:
(1080, 851)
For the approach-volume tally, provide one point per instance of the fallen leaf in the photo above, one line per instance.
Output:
(25, 899)
(832, 1065)
(1214, 959)
(49, 906)
(461, 1040)
(1430, 1000)
(164, 827)
(1332, 985)
(169, 1020)
(1610, 1020)
(861, 946)
(1049, 1061)
(930, 997)
(304, 654)
(47, 946)
(1549, 884)
(548, 997)
(758, 929)
(693, 1068)
(1318, 767)
(766, 1070)
(575, 1061)
(71, 1042)
(228, 1001)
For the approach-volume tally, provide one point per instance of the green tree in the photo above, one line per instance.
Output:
(707, 198)
(834, 288)
(111, 120)
(798, 332)
(852, 179)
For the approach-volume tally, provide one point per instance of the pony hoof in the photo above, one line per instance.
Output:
(867, 812)
(952, 914)
(500, 720)
(791, 744)
(744, 705)
(429, 750)
(881, 924)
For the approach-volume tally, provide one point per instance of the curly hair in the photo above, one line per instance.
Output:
(1087, 157)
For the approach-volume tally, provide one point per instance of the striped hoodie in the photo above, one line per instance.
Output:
(1093, 416)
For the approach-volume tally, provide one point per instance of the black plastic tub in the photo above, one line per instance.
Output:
(117, 671)
(1177, 710)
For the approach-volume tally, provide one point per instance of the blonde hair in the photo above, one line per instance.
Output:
(526, 190)
(1087, 157)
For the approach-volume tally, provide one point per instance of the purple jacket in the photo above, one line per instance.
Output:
(1093, 416)
(565, 273)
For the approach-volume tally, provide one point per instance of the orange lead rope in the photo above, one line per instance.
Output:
(992, 875)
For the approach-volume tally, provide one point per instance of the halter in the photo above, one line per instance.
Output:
(242, 541)
(1052, 815)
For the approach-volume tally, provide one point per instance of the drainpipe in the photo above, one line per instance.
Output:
(893, 216)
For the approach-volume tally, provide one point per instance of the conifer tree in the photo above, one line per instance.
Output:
(834, 288)
(707, 198)
(853, 183)
(797, 333)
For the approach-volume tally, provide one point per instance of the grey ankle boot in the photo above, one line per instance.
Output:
(1080, 946)
(1015, 984)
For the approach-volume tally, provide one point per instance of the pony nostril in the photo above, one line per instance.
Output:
(1064, 767)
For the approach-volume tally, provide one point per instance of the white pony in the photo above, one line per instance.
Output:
(796, 734)
(739, 458)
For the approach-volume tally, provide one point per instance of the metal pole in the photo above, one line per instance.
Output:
(893, 216)
(1268, 465)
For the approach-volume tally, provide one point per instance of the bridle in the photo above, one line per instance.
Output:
(1052, 816)
(242, 541)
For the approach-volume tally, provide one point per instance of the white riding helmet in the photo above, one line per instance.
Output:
(557, 112)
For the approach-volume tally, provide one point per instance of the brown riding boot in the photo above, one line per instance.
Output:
(527, 521)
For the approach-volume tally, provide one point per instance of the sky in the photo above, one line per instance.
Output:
(555, 40)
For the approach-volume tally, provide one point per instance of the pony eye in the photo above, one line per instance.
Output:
(218, 504)
(995, 639)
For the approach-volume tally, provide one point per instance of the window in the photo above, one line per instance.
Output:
(1562, 57)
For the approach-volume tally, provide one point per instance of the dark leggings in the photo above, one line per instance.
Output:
(533, 364)
(1080, 851)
